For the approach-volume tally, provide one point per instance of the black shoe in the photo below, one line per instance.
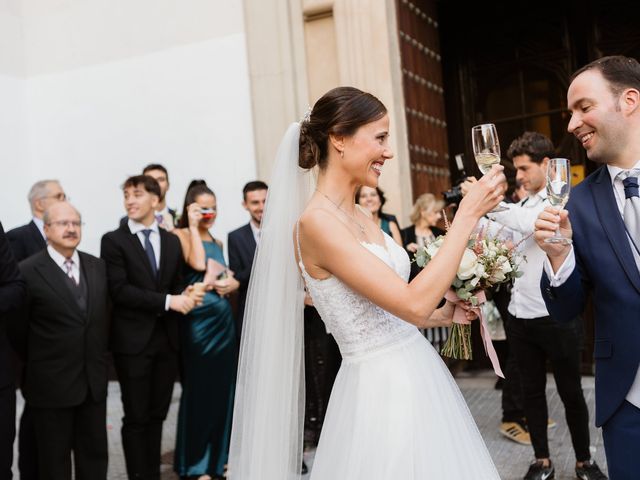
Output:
(590, 471)
(304, 468)
(539, 472)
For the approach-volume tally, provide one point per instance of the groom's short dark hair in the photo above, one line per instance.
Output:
(536, 145)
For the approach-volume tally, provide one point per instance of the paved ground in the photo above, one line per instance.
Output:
(511, 458)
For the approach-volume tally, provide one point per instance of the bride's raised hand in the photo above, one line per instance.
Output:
(484, 194)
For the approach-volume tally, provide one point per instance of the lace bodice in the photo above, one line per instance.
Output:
(358, 325)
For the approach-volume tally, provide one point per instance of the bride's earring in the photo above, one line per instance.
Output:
(342, 154)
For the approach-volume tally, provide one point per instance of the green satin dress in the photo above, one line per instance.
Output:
(209, 363)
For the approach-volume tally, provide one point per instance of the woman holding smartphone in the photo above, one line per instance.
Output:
(208, 347)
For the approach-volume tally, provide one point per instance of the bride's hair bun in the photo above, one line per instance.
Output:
(309, 155)
(339, 112)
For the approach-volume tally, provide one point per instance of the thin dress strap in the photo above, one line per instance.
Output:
(298, 245)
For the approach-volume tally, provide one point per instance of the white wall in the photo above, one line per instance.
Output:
(13, 126)
(111, 86)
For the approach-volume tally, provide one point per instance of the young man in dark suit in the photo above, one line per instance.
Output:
(603, 261)
(64, 328)
(144, 265)
(165, 216)
(25, 241)
(12, 290)
(242, 242)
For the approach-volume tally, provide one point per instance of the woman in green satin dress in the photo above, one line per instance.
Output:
(208, 348)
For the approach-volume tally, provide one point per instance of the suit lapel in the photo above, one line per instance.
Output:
(91, 278)
(37, 236)
(613, 225)
(50, 273)
(251, 242)
(163, 253)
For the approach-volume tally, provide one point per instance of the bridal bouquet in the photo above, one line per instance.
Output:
(487, 261)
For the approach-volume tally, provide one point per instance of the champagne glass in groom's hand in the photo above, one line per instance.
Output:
(558, 187)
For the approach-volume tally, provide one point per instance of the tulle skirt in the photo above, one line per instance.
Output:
(396, 413)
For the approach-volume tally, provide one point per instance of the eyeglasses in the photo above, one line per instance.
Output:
(59, 196)
(66, 223)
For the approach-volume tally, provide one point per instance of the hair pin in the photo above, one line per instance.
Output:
(307, 115)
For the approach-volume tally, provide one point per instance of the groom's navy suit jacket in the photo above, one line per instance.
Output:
(605, 268)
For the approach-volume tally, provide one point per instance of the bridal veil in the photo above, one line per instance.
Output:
(268, 417)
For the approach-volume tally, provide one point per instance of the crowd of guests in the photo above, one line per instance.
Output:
(157, 300)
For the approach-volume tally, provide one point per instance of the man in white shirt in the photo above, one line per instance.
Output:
(535, 337)
(604, 259)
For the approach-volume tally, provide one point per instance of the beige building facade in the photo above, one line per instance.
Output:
(299, 49)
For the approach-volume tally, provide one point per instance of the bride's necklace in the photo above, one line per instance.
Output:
(350, 216)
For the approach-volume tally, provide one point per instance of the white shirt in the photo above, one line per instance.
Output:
(154, 237)
(256, 232)
(565, 270)
(60, 259)
(40, 224)
(526, 298)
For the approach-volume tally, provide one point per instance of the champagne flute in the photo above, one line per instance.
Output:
(486, 149)
(558, 187)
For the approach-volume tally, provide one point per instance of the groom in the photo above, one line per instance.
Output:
(604, 220)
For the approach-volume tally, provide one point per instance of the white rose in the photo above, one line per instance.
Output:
(480, 271)
(497, 277)
(468, 264)
(506, 266)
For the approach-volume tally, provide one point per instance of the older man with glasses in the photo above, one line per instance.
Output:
(64, 334)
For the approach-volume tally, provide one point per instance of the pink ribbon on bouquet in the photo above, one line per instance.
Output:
(459, 316)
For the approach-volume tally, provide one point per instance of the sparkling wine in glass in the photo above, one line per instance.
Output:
(486, 149)
(558, 188)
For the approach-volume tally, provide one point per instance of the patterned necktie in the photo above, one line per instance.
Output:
(632, 210)
(148, 248)
(68, 268)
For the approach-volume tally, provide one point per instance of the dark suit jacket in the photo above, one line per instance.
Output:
(242, 248)
(12, 292)
(138, 296)
(606, 270)
(67, 348)
(409, 236)
(25, 241)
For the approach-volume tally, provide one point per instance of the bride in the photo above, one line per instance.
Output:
(395, 411)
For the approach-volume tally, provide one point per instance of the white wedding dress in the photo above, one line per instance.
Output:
(395, 411)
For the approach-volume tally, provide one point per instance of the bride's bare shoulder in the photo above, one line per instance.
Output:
(316, 222)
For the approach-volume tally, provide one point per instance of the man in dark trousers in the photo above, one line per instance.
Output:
(242, 242)
(144, 265)
(603, 261)
(64, 325)
(25, 241)
(12, 291)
